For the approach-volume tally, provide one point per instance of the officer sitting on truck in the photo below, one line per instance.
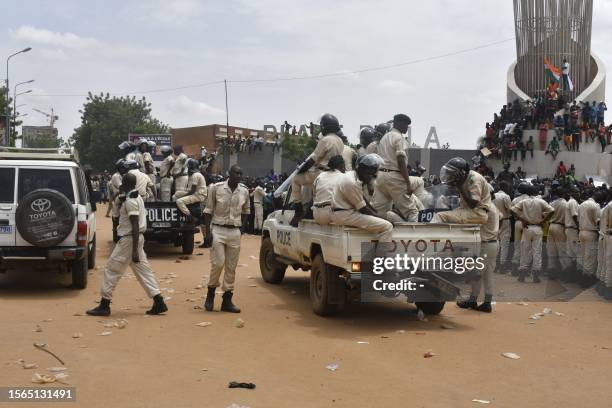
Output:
(166, 180)
(143, 182)
(323, 190)
(179, 171)
(196, 189)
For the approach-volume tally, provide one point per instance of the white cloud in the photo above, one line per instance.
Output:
(185, 105)
(175, 12)
(395, 85)
(35, 35)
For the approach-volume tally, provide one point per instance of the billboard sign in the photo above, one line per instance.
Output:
(159, 139)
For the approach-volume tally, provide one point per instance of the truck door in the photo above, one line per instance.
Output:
(8, 206)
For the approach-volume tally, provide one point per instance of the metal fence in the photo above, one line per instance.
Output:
(553, 29)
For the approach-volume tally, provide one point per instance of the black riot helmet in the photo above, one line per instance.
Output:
(366, 136)
(382, 129)
(524, 188)
(329, 124)
(455, 171)
(193, 166)
(131, 165)
(119, 164)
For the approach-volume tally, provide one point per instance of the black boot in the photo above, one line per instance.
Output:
(486, 305)
(209, 304)
(159, 306)
(521, 276)
(536, 277)
(299, 213)
(227, 305)
(468, 304)
(103, 309)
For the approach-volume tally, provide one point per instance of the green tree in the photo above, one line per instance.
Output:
(297, 147)
(13, 123)
(105, 122)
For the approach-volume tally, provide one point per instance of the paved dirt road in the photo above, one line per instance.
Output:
(284, 348)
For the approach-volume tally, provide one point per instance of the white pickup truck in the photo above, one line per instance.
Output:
(333, 254)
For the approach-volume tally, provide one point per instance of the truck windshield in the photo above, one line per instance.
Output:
(54, 179)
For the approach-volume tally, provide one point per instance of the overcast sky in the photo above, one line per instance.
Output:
(127, 46)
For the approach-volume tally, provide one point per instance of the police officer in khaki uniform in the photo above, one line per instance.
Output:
(226, 209)
(475, 197)
(323, 190)
(572, 233)
(348, 153)
(328, 146)
(503, 203)
(589, 213)
(166, 180)
(523, 188)
(196, 189)
(366, 137)
(556, 246)
(143, 183)
(348, 204)
(129, 250)
(489, 247)
(532, 212)
(393, 188)
(148, 166)
(114, 185)
(258, 197)
(605, 288)
(179, 171)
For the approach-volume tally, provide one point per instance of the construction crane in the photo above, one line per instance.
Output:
(52, 116)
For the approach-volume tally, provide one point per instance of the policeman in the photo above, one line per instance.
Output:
(522, 189)
(348, 154)
(148, 165)
(196, 189)
(323, 190)
(114, 185)
(572, 232)
(129, 251)
(227, 209)
(348, 205)
(589, 213)
(143, 182)
(532, 212)
(380, 130)
(605, 288)
(421, 197)
(179, 171)
(366, 137)
(556, 246)
(503, 203)
(328, 146)
(258, 197)
(129, 150)
(475, 197)
(166, 180)
(489, 247)
(393, 186)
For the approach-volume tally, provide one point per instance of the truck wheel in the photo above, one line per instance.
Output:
(430, 308)
(91, 255)
(79, 272)
(272, 271)
(319, 288)
(188, 243)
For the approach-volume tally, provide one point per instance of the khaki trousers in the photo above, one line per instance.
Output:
(119, 260)
(556, 248)
(573, 244)
(305, 179)
(153, 178)
(518, 235)
(258, 216)
(352, 218)
(391, 190)
(322, 215)
(531, 249)
(165, 186)
(504, 241)
(224, 253)
(588, 252)
(488, 250)
(180, 185)
(461, 216)
(607, 270)
(601, 258)
(183, 202)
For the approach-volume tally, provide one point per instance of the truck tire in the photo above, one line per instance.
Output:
(430, 308)
(79, 272)
(319, 288)
(91, 255)
(44, 217)
(187, 243)
(271, 270)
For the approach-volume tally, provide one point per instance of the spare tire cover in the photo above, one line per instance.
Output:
(45, 217)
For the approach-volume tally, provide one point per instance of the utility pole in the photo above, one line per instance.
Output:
(7, 110)
(226, 108)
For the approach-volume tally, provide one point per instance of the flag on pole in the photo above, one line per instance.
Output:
(553, 72)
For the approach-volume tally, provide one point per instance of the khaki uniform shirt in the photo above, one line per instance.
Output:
(571, 210)
(490, 230)
(324, 187)
(227, 206)
(559, 205)
(258, 195)
(391, 146)
(198, 180)
(478, 189)
(362, 151)
(533, 210)
(588, 215)
(143, 182)
(148, 164)
(164, 169)
(605, 222)
(348, 192)
(372, 148)
(131, 206)
(179, 165)
(348, 154)
(502, 203)
(115, 183)
(328, 146)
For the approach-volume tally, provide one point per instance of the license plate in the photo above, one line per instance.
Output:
(6, 229)
(162, 224)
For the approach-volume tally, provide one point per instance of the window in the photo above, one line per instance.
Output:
(82, 185)
(7, 183)
(54, 179)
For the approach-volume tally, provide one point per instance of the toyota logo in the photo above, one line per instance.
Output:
(40, 205)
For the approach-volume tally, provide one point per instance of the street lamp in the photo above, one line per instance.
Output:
(15, 99)
(7, 113)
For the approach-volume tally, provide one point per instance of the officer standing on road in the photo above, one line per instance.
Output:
(589, 213)
(166, 180)
(393, 187)
(475, 197)
(196, 189)
(605, 274)
(114, 185)
(323, 190)
(532, 212)
(489, 247)
(227, 210)
(258, 197)
(129, 250)
(503, 203)
(556, 242)
(523, 189)
(328, 146)
(571, 232)
(179, 171)
(348, 204)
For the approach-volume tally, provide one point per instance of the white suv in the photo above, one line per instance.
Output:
(45, 212)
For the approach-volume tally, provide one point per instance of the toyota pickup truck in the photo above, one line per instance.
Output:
(166, 224)
(333, 255)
